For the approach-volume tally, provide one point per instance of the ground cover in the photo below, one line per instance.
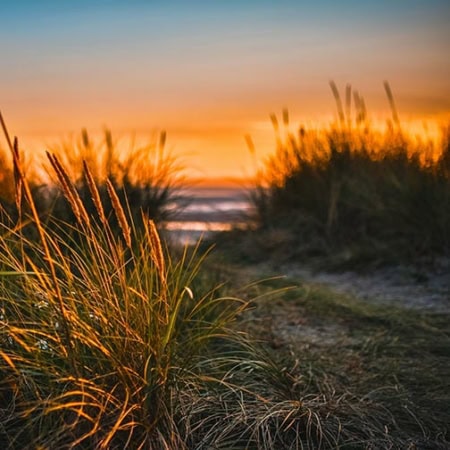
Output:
(380, 369)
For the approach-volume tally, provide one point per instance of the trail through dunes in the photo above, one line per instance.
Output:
(395, 286)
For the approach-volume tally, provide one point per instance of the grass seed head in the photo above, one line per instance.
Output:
(156, 251)
(120, 213)
(94, 192)
(69, 190)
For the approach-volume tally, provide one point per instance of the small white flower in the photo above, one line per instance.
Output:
(42, 344)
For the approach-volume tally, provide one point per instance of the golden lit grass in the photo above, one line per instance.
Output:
(107, 342)
(143, 177)
(98, 339)
(375, 195)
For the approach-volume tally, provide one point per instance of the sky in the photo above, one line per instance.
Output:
(210, 72)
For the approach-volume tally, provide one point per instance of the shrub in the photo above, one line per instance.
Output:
(375, 193)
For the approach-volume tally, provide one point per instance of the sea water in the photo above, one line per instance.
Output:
(202, 211)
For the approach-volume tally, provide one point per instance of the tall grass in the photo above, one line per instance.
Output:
(145, 177)
(102, 339)
(357, 191)
(108, 343)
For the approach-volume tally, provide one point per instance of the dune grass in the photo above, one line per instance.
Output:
(145, 177)
(107, 342)
(353, 194)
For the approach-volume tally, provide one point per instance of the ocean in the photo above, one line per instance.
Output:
(205, 210)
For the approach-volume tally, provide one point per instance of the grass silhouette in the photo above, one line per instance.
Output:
(355, 193)
(145, 178)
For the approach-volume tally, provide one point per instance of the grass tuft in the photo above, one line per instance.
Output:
(352, 194)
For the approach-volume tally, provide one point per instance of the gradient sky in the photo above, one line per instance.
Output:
(209, 72)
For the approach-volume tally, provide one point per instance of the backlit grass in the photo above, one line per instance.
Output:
(145, 177)
(109, 340)
(353, 194)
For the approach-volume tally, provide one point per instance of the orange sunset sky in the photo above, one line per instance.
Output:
(209, 72)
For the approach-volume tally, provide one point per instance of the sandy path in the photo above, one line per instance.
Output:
(400, 286)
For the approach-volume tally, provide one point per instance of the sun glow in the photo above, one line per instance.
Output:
(221, 155)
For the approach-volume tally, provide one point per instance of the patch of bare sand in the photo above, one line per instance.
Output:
(287, 325)
(427, 290)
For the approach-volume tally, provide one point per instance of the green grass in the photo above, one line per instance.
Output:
(381, 371)
(110, 340)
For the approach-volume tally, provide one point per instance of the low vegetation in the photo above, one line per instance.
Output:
(146, 178)
(110, 340)
(378, 373)
(353, 195)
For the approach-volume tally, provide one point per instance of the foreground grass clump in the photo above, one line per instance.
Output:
(105, 342)
(108, 343)
(353, 194)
